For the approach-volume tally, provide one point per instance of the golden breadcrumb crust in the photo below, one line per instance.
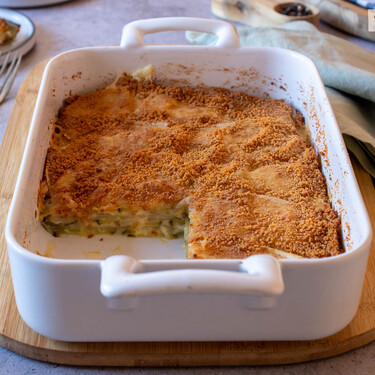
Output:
(243, 165)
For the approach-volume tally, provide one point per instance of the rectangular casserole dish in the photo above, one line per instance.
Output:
(142, 289)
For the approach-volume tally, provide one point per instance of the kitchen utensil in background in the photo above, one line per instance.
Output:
(8, 73)
(341, 14)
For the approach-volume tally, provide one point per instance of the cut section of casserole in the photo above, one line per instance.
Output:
(231, 172)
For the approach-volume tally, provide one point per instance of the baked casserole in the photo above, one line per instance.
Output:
(233, 173)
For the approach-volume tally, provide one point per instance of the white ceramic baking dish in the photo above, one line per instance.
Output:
(134, 289)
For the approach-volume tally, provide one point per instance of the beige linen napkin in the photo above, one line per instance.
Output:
(348, 71)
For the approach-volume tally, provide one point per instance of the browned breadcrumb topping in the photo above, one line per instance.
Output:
(243, 163)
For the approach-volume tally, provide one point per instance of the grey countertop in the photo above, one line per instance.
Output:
(82, 23)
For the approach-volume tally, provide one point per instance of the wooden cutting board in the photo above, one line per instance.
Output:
(18, 337)
(341, 14)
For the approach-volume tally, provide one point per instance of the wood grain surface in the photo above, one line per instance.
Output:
(341, 14)
(258, 12)
(18, 337)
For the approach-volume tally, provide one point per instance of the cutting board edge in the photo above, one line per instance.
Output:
(157, 359)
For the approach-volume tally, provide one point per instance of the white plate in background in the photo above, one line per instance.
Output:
(25, 39)
(29, 3)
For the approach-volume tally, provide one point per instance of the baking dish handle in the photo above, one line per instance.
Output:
(133, 32)
(122, 276)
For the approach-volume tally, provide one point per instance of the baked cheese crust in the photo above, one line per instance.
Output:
(232, 172)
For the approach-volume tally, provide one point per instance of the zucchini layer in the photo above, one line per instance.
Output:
(168, 224)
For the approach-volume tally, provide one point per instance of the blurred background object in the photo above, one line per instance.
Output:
(29, 3)
(25, 38)
(368, 4)
(342, 14)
